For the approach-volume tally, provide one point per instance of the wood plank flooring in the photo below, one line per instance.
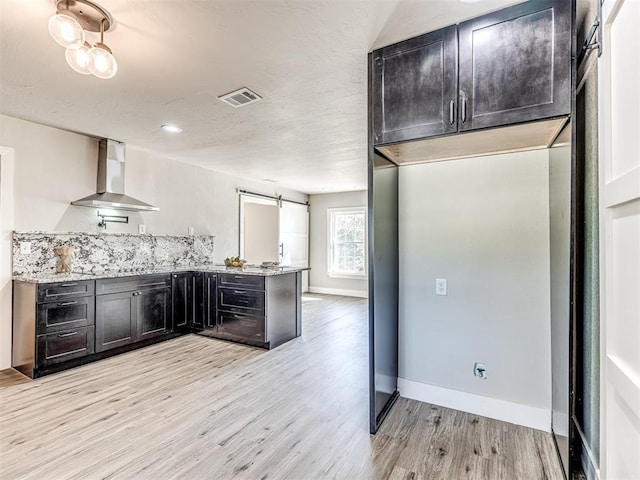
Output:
(199, 408)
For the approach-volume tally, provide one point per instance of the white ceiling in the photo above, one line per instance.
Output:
(307, 58)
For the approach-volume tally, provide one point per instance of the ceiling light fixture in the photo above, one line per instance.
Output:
(172, 128)
(68, 26)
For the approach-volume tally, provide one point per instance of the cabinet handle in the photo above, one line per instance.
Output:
(65, 304)
(238, 316)
(239, 292)
(152, 284)
(69, 285)
(452, 107)
(464, 109)
(238, 276)
(70, 334)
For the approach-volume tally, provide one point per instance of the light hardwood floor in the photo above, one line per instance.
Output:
(196, 407)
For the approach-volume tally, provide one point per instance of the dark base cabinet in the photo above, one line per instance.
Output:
(263, 311)
(62, 325)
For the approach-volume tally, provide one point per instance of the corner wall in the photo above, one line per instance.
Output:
(482, 224)
(319, 279)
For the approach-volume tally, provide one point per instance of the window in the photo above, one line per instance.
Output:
(347, 242)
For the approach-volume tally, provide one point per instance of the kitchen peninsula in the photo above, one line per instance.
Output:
(64, 320)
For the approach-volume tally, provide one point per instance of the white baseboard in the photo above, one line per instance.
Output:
(339, 291)
(533, 417)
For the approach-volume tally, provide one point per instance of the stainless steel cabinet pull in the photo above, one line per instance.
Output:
(238, 276)
(69, 285)
(152, 284)
(64, 304)
(238, 316)
(70, 334)
(452, 107)
(239, 292)
(464, 109)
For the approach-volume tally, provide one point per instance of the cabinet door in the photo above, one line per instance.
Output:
(115, 320)
(66, 345)
(65, 315)
(210, 300)
(152, 309)
(196, 309)
(180, 288)
(414, 87)
(515, 65)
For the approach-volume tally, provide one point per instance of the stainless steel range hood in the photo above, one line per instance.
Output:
(111, 163)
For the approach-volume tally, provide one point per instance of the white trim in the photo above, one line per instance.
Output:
(7, 162)
(360, 209)
(526, 415)
(340, 291)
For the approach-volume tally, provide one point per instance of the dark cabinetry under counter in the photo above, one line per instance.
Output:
(52, 323)
(188, 298)
(138, 308)
(258, 310)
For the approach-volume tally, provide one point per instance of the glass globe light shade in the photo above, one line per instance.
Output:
(103, 64)
(66, 31)
(79, 58)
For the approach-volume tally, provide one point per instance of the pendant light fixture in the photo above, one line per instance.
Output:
(68, 26)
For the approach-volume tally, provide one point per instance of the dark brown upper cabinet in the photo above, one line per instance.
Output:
(505, 68)
(415, 86)
(515, 65)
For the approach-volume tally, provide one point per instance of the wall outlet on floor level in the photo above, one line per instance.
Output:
(25, 248)
(480, 370)
(142, 229)
(441, 286)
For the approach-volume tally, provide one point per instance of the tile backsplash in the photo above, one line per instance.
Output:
(99, 252)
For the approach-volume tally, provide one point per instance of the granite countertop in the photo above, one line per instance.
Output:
(51, 277)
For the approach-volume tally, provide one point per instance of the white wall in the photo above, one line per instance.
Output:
(54, 167)
(6, 228)
(319, 280)
(482, 224)
(261, 233)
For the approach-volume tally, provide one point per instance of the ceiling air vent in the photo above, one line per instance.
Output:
(240, 98)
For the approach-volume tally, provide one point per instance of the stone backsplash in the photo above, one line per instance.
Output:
(99, 252)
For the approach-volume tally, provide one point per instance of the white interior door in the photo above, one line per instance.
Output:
(619, 137)
(259, 229)
(294, 237)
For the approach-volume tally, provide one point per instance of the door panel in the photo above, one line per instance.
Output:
(153, 312)
(115, 320)
(259, 229)
(619, 104)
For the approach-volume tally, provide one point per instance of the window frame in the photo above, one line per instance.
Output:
(331, 213)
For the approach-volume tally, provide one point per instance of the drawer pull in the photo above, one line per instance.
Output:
(152, 284)
(239, 292)
(239, 277)
(69, 285)
(66, 304)
(70, 334)
(238, 316)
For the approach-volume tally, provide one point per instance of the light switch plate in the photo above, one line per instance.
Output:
(25, 248)
(441, 286)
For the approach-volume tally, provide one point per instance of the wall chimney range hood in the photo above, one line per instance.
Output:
(110, 186)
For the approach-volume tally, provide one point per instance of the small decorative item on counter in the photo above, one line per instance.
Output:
(64, 256)
(234, 262)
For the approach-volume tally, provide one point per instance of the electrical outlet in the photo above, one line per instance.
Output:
(441, 286)
(190, 230)
(25, 248)
(480, 370)
(142, 229)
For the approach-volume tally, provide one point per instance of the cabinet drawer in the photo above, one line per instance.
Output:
(130, 284)
(254, 282)
(246, 300)
(59, 347)
(51, 292)
(242, 325)
(65, 315)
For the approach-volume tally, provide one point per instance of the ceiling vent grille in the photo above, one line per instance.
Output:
(240, 98)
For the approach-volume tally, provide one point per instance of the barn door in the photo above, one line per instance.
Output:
(619, 138)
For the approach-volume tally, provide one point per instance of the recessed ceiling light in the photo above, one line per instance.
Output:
(172, 128)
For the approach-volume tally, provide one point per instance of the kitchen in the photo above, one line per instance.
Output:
(200, 198)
